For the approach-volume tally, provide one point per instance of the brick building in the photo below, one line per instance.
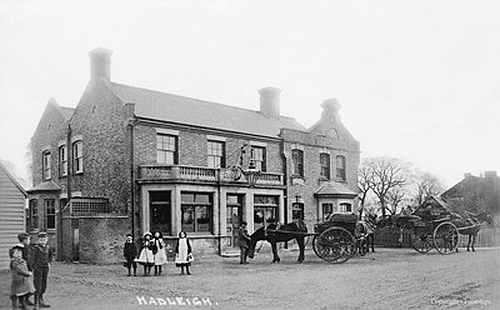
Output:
(477, 193)
(131, 159)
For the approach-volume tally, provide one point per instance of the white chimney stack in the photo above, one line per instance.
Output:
(100, 64)
(270, 102)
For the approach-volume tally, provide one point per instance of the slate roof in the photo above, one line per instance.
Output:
(45, 186)
(178, 109)
(13, 179)
(334, 188)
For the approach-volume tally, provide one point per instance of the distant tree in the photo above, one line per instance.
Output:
(427, 184)
(386, 174)
(395, 196)
(364, 177)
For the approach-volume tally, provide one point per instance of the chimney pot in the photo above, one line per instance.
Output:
(270, 102)
(100, 64)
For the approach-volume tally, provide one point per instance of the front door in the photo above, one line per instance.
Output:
(234, 218)
(160, 212)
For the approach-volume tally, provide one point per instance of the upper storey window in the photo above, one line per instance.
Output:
(46, 169)
(63, 161)
(215, 154)
(324, 160)
(259, 156)
(341, 168)
(78, 157)
(297, 163)
(166, 149)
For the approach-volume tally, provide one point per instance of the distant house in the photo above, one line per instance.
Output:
(477, 194)
(12, 219)
(129, 159)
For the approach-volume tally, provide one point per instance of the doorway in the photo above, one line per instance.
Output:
(160, 212)
(234, 217)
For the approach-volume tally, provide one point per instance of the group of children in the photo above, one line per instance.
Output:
(29, 265)
(153, 253)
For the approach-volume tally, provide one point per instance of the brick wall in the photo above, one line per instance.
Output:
(101, 120)
(51, 130)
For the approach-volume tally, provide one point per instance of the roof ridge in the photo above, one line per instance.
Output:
(191, 98)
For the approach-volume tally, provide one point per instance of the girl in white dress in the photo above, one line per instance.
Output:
(183, 255)
(146, 257)
(160, 256)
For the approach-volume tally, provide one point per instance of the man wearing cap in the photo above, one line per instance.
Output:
(41, 255)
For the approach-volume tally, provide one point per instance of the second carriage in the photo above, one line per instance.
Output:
(340, 238)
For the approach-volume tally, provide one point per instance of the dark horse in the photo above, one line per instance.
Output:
(294, 230)
(471, 227)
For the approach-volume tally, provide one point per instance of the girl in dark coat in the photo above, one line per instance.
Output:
(130, 253)
(22, 279)
(183, 255)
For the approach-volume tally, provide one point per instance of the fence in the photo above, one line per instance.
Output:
(487, 237)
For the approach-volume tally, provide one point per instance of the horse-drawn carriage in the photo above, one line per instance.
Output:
(438, 224)
(336, 240)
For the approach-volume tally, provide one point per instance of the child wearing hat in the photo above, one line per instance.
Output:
(22, 278)
(146, 257)
(41, 255)
(130, 253)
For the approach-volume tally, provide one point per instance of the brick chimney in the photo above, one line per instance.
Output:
(270, 102)
(100, 61)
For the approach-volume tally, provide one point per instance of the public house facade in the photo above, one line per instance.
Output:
(129, 159)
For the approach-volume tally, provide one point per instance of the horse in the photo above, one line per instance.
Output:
(472, 226)
(366, 228)
(267, 233)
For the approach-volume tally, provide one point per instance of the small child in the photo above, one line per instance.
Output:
(146, 257)
(130, 253)
(159, 252)
(183, 253)
(22, 279)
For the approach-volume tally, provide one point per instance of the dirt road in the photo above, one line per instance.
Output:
(388, 279)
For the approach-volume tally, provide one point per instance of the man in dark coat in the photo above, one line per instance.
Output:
(243, 242)
(41, 255)
(130, 253)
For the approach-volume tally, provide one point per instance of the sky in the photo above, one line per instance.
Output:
(417, 80)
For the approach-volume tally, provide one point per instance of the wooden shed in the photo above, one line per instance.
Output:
(12, 214)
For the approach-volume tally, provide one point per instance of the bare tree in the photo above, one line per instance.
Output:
(395, 196)
(386, 174)
(427, 185)
(364, 177)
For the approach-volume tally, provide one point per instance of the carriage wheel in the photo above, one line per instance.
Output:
(422, 243)
(335, 245)
(446, 238)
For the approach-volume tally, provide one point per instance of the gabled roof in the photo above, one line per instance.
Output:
(45, 186)
(454, 208)
(167, 107)
(334, 189)
(66, 112)
(14, 181)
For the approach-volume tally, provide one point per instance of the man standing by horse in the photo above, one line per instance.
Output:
(243, 242)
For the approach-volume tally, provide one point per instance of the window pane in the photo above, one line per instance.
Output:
(188, 218)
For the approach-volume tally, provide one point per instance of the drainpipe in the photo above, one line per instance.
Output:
(220, 212)
(69, 154)
(130, 125)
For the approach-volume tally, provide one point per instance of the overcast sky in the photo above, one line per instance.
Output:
(417, 80)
